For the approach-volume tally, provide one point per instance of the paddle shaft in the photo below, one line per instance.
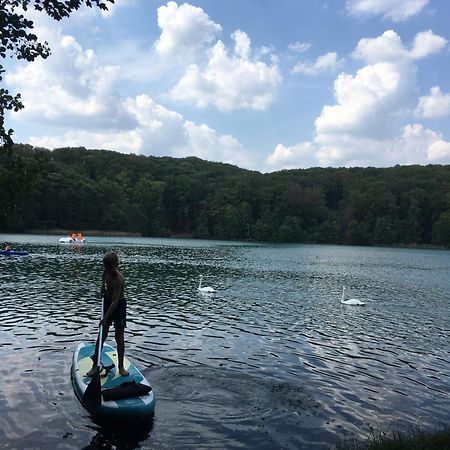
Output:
(92, 397)
(100, 337)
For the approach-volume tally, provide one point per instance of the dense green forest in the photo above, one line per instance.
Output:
(78, 189)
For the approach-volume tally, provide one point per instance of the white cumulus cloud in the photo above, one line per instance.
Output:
(369, 123)
(376, 101)
(389, 47)
(299, 47)
(396, 10)
(439, 151)
(325, 63)
(366, 103)
(433, 106)
(385, 48)
(230, 81)
(125, 142)
(73, 91)
(112, 7)
(70, 87)
(420, 145)
(427, 43)
(300, 155)
(186, 31)
(414, 145)
(204, 142)
(158, 131)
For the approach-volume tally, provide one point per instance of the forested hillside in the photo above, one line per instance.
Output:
(78, 189)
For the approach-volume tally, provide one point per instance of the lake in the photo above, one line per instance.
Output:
(272, 360)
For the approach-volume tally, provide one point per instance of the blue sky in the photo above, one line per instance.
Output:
(261, 84)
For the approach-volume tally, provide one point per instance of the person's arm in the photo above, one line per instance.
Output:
(117, 292)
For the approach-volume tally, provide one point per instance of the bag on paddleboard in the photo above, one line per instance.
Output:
(126, 390)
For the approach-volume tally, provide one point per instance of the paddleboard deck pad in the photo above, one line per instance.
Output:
(139, 401)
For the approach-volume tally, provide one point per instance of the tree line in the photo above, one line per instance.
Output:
(78, 189)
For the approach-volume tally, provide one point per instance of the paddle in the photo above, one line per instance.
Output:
(92, 397)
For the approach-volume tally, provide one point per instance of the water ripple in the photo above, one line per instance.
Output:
(232, 367)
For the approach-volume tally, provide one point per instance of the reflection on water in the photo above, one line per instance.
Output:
(272, 360)
(119, 434)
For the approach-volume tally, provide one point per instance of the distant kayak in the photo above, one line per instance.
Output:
(118, 398)
(12, 253)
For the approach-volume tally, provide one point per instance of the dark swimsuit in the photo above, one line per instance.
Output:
(119, 316)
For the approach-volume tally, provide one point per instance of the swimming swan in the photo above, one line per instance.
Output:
(350, 301)
(205, 289)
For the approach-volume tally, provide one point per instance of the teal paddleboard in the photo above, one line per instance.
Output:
(125, 408)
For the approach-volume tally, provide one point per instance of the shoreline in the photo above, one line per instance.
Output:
(111, 233)
(64, 232)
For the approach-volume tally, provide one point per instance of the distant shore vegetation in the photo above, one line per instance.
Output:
(79, 189)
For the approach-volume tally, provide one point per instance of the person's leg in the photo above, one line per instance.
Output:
(120, 341)
(93, 369)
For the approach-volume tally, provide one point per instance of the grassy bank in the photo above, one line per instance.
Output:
(412, 440)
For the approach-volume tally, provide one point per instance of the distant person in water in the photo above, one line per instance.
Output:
(115, 309)
(6, 247)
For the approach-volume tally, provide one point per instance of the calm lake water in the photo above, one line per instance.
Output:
(273, 360)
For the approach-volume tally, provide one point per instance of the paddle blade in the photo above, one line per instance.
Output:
(92, 397)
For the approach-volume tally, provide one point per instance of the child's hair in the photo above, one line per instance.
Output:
(110, 261)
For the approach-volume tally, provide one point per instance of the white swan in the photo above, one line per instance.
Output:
(205, 289)
(350, 301)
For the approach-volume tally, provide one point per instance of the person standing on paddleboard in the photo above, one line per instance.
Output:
(114, 309)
